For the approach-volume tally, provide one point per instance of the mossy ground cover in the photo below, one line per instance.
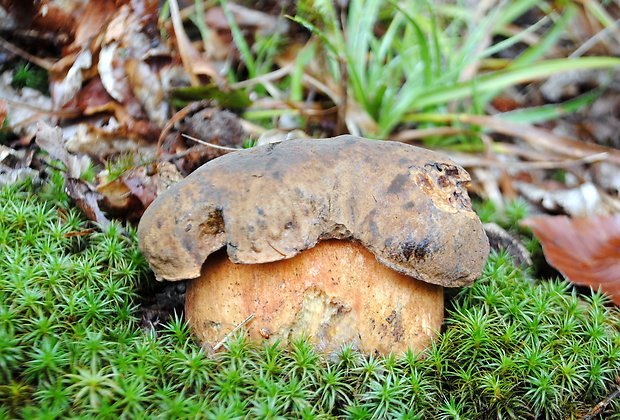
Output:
(71, 344)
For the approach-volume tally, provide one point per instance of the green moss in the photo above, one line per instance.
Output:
(28, 75)
(71, 346)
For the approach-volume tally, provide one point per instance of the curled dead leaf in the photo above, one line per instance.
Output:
(585, 250)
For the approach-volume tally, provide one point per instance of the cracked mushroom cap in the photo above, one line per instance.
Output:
(406, 205)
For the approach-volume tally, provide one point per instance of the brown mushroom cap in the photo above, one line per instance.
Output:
(406, 205)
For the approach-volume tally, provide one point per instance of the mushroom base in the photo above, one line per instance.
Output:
(336, 293)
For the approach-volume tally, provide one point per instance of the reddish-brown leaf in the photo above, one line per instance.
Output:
(585, 250)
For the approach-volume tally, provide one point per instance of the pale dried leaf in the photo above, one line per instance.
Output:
(584, 200)
(149, 91)
(104, 136)
(607, 175)
(50, 139)
(112, 77)
(10, 175)
(64, 90)
(92, 21)
(276, 136)
(23, 106)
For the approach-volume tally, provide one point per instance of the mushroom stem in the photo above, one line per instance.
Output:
(336, 292)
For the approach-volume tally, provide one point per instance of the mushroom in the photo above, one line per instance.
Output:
(343, 239)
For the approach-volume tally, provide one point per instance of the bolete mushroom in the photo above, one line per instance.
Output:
(343, 239)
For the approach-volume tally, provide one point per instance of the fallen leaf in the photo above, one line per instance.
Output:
(607, 176)
(103, 136)
(91, 98)
(582, 201)
(585, 250)
(93, 19)
(15, 165)
(567, 84)
(50, 139)
(193, 62)
(148, 90)
(130, 194)
(245, 18)
(276, 135)
(62, 91)
(25, 106)
(86, 199)
(10, 175)
(42, 16)
(112, 75)
(540, 138)
(76, 233)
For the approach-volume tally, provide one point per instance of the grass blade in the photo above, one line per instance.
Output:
(502, 79)
(539, 114)
(240, 42)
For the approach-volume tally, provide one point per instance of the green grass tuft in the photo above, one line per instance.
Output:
(71, 345)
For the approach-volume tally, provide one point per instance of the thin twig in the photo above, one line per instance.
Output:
(242, 324)
(269, 77)
(182, 113)
(215, 146)
(474, 161)
(70, 113)
(595, 39)
(41, 62)
(596, 410)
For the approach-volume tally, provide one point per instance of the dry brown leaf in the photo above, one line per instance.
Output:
(102, 136)
(91, 97)
(193, 62)
(130, 194)
(245, 18)
(42, 16)
(111, 72)
(94, 18)
(586, 251)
